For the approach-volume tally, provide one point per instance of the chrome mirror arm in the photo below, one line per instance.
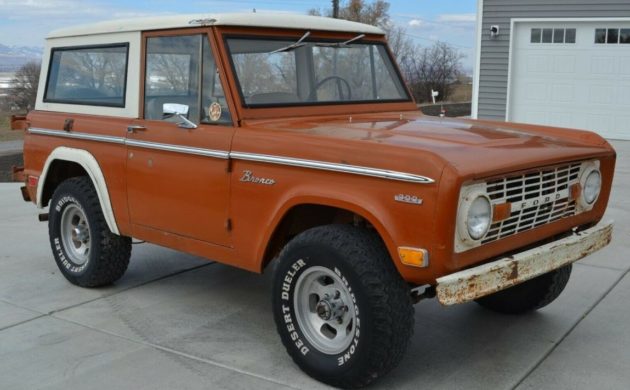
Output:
(185, 123)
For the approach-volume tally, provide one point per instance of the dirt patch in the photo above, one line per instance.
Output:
(451, 109)
(7, 162)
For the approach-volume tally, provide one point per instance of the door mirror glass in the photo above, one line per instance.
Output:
(170, 109)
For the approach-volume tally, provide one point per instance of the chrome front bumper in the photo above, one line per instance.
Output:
(486, 279)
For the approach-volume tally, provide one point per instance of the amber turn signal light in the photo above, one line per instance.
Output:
(415, 257)
(576, 191)
(501, 212)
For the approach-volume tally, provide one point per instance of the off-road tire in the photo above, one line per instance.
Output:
(385, 315)
(531, 295)
(108, 255)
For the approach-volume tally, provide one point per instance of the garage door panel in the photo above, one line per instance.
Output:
(536, 92)
(603, 65)
(536, 117)
(563, 93)
(602, 94)
(559, 118)
(624, 65)
(578, 85)
(538, 64)
(564, 64)
(624, 95)
(599, 121)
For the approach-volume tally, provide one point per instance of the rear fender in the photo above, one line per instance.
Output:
(90, 165)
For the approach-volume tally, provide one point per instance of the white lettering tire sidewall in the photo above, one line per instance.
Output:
(294, 337)
(59, 249)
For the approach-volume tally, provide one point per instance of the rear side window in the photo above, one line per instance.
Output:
(94, 75)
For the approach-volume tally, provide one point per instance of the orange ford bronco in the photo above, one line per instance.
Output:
(256, 138)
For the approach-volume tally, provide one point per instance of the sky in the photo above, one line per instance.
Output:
(26, 22)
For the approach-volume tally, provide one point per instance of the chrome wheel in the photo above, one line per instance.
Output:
(325, 310)
(75, 234)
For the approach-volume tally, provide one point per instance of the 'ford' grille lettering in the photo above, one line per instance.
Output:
(541, 200)
(537, 198)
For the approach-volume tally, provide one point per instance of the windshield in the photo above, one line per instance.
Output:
(272, 72)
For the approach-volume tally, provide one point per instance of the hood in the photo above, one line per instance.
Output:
(473, 148)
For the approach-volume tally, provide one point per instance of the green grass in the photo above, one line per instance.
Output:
(6, 134)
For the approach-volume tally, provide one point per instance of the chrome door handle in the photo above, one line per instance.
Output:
(134, 128)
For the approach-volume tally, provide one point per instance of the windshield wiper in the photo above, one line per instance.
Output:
(292, 46)
(340, 44)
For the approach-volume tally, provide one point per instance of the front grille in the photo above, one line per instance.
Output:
(537, 198)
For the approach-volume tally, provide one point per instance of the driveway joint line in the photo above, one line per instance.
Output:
(175, 352)
(163, 277)
(604, 267)
(578, 322)
(22, 322)
(50, 313)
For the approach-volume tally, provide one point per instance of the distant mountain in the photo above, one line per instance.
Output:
(13, 57)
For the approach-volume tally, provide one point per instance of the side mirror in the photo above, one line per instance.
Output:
(180, 111)
(170, 109)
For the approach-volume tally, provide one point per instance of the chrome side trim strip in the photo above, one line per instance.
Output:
(326, 166)
(179, 149)
(279, 160)
(85, 136)
(130, 142)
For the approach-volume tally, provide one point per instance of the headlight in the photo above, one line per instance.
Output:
(592, 186)
(479, 217)
(591, 183)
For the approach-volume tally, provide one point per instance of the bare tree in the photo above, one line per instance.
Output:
(24, 86)
(424, 68)
(400, 44)
(433, 68)
(375, 13)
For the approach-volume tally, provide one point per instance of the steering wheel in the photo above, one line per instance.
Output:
(340, 81)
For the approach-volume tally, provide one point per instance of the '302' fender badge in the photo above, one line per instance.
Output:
(405, 198)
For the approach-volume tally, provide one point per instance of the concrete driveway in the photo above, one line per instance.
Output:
(179, 322)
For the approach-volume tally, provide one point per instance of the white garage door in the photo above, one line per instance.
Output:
(572, 75)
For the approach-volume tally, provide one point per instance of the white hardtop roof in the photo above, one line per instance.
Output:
(273, 20)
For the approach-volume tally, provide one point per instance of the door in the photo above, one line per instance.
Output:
(177, 156)
(572, 74)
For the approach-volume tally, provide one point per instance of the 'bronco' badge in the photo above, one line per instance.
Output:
(248, 177)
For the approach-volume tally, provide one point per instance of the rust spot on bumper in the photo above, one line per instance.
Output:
(473, 283)
(514, 272)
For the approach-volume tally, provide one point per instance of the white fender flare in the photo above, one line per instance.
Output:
(90, 165)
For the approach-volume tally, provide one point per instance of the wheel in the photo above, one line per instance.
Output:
(343, 312)
(531, 295)
(85, 250)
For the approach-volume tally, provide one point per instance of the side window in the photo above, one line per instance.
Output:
(182, 70)
(94, 75)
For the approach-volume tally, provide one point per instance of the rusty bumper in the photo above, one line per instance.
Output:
(488, 278)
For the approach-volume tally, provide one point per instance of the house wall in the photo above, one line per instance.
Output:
(492, 68)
